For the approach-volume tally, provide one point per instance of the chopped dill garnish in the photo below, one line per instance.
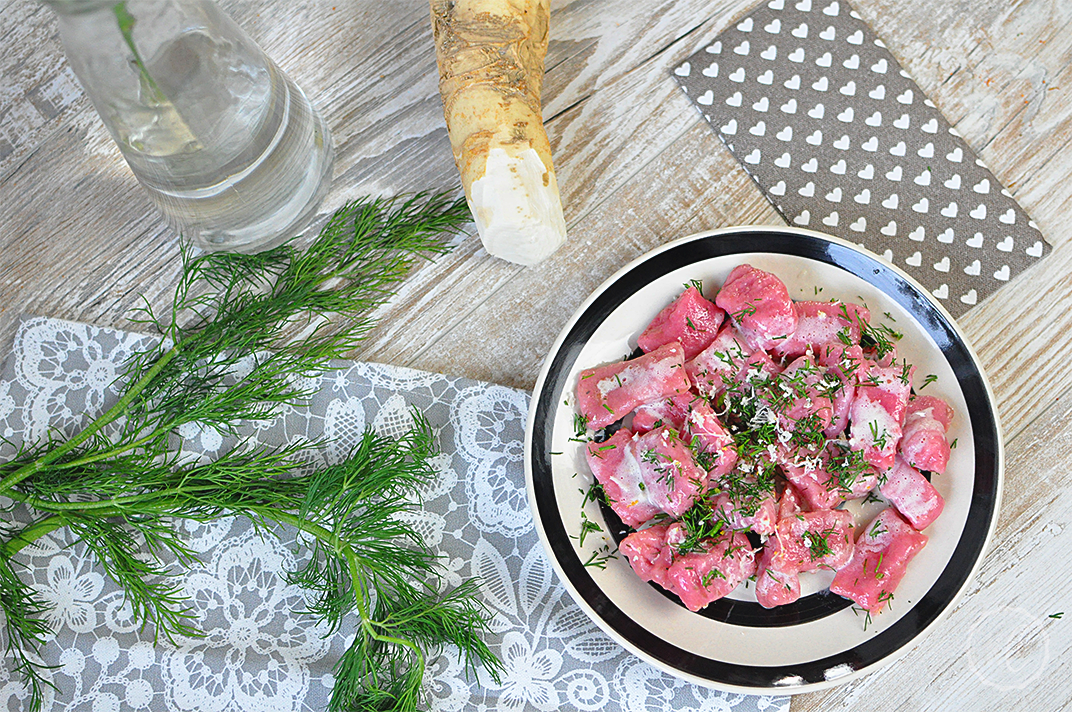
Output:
(580, 425)
(599, 558)
(710, 576)
(587, 527)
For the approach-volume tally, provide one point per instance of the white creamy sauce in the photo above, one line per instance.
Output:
(628, 479)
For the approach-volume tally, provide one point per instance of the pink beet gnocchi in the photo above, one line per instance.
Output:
(690, 320)
(744, 427)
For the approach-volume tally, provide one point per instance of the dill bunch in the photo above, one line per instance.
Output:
(241, 332)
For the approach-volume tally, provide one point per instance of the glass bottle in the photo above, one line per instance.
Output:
(228, 147)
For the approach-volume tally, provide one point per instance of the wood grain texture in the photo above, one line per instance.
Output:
(999, 648)
(637, 167)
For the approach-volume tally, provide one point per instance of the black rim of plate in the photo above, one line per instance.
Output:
(984, 426)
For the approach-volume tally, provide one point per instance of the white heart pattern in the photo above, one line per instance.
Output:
(858, 82)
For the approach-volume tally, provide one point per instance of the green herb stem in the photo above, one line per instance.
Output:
(90, 430)
(229, 356)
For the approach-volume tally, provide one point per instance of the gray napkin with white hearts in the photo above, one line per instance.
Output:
(840, 139)
(259, 652)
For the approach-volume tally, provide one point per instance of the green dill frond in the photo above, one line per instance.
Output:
(240, 330)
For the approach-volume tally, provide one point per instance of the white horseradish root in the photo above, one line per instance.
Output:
(490, 55)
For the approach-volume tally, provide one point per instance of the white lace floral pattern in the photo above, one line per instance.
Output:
(258, 652)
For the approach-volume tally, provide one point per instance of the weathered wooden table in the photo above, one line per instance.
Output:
(638, 167)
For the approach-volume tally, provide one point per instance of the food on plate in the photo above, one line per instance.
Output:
(490, 55)
(879, 561)
(731, 444)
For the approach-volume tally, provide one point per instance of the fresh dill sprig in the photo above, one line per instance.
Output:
(241, 332)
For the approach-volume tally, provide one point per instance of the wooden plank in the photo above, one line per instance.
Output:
(38, 92)
(598, 144)
(998, 649)
(382, 104)
(685, 189)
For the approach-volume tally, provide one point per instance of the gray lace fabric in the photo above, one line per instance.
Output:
(258, 652)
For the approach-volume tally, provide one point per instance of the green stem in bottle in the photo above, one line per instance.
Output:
(126, 28)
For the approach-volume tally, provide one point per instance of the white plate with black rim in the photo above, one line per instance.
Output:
(734, 643)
